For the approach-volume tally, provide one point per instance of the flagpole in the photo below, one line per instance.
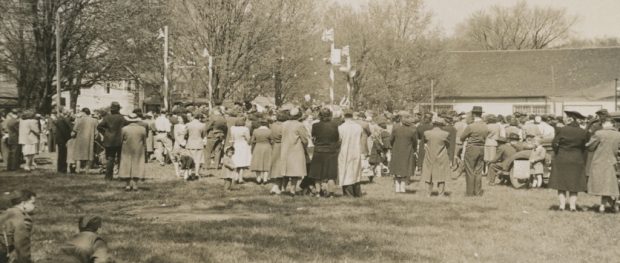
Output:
(166, 68)
(332, 77)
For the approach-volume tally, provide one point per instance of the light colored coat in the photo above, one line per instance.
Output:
(28, 131)
(293, 149)
(602, 180)
(350, 156)
(196, 133)
(85, 129)
(436, 160)
(133, 151)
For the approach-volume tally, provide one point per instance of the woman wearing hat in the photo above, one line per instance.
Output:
(602, 179)
(293, 152)
(404, 143)
(569, 163)
(324, 165)
(437, 162)
(132, 152)
(240, 138)
(29, 137)
(275, 172)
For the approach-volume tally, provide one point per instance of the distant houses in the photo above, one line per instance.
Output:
(531, 81)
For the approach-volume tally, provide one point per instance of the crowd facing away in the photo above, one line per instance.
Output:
(317, 149)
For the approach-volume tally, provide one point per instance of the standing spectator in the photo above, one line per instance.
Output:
(404, 144)
(196, 140)
(569, 162)
(62, 130)
(216, 130)
(437, 160)
(29, 138)
(513, 128)
(240, 138)
(150, 141)
(110, 127)
(424, 126)
(350, 156)
(84, 133)
(275, 174)
(16, 227)
(51, 128)
(133, 152)
(4, 147)
(15, 151)
(475, 135)
(547, 132)
(490, 144)
(180, 142)
(261, 152)
(324, 163)
(163, 144)
(293, 152)
(380, 148)
(530, 128)
(602, 181)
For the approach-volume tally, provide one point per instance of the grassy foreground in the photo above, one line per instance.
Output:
(173, 221)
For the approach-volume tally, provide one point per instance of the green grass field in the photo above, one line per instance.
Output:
(174, 221)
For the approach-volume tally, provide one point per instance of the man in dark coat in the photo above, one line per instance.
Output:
(425, 125)
(475, 135)
(110, 127)
(63, 128)
(12, 126)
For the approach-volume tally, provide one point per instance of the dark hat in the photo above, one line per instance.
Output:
(575, 115)
(89, 223)
(477, 109)
(602, 112)
(501, 139)
(513, 137)
(229, 148)
(132, 118)
(115, 105)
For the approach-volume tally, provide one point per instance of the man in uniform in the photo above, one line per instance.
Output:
(475, 135)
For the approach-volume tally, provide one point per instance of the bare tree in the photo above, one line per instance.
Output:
(516, 27)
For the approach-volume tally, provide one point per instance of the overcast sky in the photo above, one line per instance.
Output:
(597, 18)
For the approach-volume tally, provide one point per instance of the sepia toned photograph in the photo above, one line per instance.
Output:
(191, 131)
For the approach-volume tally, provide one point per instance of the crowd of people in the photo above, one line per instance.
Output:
(316, 148)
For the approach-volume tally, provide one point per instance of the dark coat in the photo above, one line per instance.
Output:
(423, 127)
(569, 163)
(12, 126)
(452, 140)
(63, 130)
(86, 247)
(110, 127)
(404, 143)
(324, 164)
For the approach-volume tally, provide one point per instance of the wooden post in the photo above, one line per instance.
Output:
(432, 96)
(166, 103)
(58, 77)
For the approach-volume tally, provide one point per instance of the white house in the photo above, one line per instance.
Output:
(102, 95)
(546, 81)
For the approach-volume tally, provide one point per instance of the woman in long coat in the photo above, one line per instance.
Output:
(569, 163)
(404, 143)
(602, 181)
(275, 174)
(240, 138)
(324, 164)
(84, 144)
(350, 156)
(293, 152)
(261, 152)
(132, 152)
(436, 160)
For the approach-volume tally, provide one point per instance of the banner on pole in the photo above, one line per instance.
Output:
(328, 35)
(336, 56)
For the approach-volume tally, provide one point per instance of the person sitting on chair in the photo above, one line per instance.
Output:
(501, 162)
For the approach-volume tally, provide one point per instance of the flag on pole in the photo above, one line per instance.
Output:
(345, 51)
(328, 35)
(205, 53)
(161, 34)
(336, 56)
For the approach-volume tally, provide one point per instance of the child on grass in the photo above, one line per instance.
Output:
(537, 160)
(229, 169)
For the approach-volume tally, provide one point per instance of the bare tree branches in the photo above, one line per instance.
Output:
(517, 27)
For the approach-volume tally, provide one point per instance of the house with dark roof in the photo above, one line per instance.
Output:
(8, 92)
(546, 81)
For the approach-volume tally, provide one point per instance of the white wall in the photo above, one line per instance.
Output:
(555, 106)
(97, 97)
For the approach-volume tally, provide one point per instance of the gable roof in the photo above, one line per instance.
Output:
(530, 73)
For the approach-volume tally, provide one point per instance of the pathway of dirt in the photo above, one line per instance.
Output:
(194, 212)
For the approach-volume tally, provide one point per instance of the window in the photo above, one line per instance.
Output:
(530, 109)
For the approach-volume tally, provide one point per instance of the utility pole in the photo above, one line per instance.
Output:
(210, 82)
(432, 95)
(58, 78)
(166, 103)
(616, 95)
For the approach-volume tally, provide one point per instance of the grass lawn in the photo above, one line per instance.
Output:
(173, 221)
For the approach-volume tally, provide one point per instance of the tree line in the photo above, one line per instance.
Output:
(267, 47)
